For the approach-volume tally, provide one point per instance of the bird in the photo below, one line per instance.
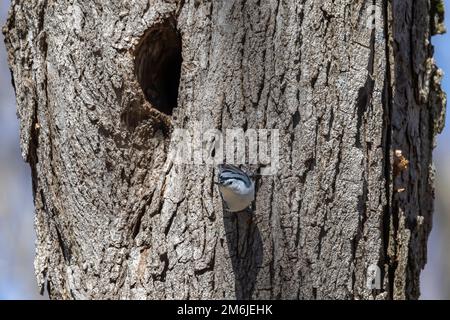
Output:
(236, 188)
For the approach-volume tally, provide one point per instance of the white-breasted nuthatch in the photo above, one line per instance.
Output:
(236, 188)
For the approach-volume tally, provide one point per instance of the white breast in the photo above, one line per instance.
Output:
(236, 202)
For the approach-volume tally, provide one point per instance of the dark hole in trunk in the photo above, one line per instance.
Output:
(158, 66)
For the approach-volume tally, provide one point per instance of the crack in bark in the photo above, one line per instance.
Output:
(137, 225)
(365, 93)
(172, 217)
(210, 265)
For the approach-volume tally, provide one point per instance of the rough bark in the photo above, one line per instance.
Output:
(115, 219)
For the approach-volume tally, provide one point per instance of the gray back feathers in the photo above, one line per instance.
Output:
(228, 171)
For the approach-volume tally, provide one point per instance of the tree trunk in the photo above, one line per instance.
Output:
(102, 86)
